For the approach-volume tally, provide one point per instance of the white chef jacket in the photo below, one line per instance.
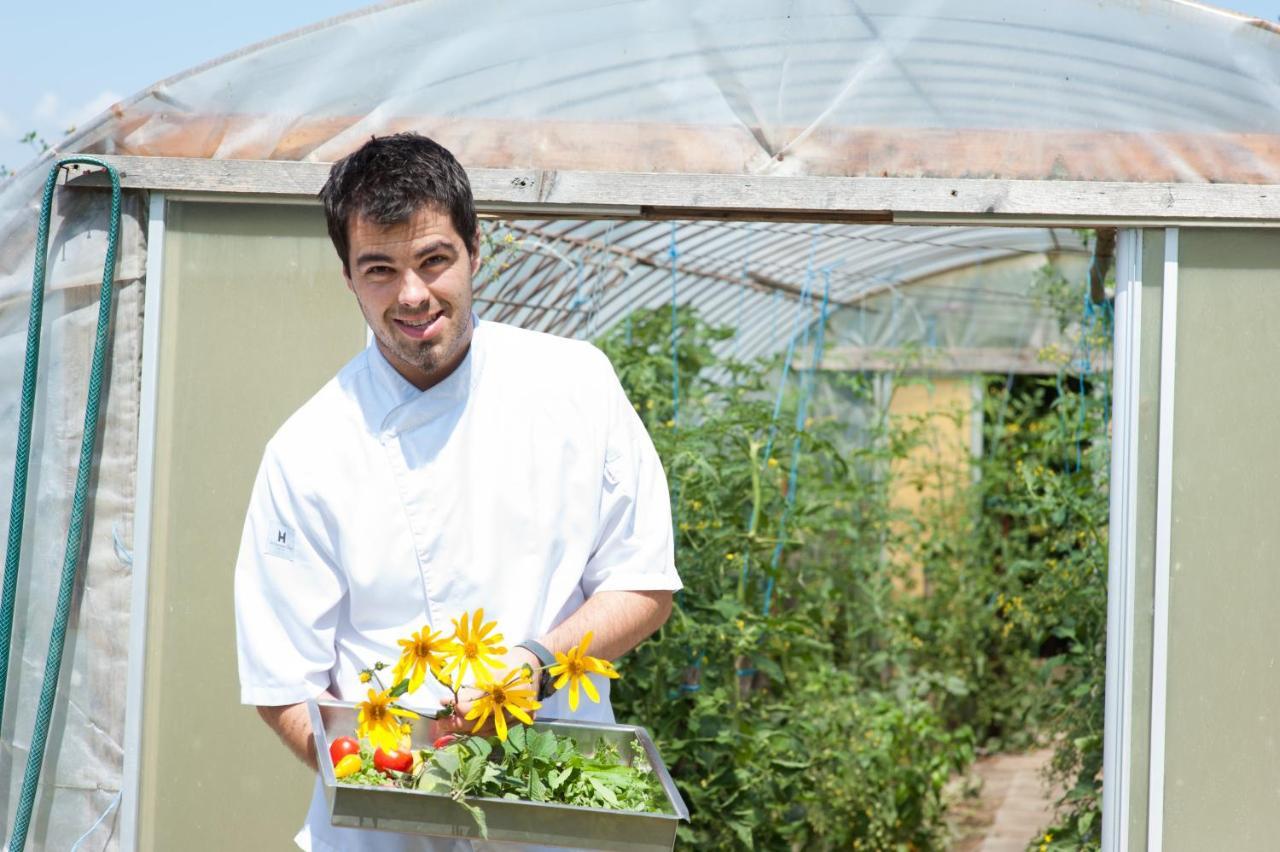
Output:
(523, 483)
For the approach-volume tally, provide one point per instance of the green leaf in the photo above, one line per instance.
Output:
(448, 759)
(478, 815)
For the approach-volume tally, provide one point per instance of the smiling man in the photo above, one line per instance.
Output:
(453, 464)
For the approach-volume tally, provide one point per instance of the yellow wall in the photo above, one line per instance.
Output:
(941, 409)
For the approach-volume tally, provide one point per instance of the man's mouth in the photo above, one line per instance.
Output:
(420, 328)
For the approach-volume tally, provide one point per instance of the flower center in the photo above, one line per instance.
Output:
(499, 695)
(422, 649)
(377, 712)
(471, 649)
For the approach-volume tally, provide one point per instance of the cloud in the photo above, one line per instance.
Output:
(47, 107)
(89, 109)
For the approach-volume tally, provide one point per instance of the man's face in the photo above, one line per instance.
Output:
(413, 283)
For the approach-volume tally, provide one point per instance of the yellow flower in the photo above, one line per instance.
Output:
(473, 648)
(514, 695)
(379, 720)
(572, 668)
(365, 676)
(773, 462)
(424, 651)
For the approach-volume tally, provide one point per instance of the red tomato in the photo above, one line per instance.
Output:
(392, 761)
(343, 746)
(446, 740)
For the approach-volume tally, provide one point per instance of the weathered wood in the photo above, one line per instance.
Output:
(1026, 361)
(536, 193)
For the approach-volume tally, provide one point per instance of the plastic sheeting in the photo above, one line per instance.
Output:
(1135, 90)
(84, 757)
(926, 290)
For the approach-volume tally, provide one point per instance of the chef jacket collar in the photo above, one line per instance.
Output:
(405, 407)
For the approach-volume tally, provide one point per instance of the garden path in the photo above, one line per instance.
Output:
(1012, 807)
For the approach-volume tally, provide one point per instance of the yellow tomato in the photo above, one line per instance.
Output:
(349, 765)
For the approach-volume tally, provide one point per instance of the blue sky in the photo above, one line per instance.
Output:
(59, 69)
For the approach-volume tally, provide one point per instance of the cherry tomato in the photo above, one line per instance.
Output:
(341, 747)
(446, 740)
(392, 761)
(349, 765)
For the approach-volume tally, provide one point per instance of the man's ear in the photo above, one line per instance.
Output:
(475, 252)
(346, 276)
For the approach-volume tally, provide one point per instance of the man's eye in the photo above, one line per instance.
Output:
(435, 259)
(378, 270)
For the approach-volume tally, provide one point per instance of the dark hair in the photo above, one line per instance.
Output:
(390, 178)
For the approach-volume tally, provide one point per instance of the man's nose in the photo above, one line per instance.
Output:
(413, 289)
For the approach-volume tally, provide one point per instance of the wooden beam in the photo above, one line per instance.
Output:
(1026, 361)
(568, 194)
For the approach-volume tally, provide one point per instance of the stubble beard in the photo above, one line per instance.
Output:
(427, 355)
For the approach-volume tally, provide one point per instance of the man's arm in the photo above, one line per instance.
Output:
(292, 723)
(618, 621)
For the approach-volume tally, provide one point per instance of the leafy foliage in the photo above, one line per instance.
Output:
(834, 657)
(537, 766)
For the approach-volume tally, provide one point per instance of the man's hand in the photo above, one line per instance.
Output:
(513, 661)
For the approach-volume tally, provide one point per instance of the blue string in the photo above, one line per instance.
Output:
(742, 302)
(805, 290)
(802, 411)
(674, 253)
(577, 301)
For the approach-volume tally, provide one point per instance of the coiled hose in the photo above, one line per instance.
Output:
(57, 640)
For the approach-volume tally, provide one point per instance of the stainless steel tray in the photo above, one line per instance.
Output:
(416, 812)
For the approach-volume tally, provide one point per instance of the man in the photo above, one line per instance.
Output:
(454, 464)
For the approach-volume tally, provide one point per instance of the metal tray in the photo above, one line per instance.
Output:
(513, 821)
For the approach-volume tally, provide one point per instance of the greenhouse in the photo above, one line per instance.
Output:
(950, 322)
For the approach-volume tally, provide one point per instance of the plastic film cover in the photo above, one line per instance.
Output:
(1130, 90)
(84, 755)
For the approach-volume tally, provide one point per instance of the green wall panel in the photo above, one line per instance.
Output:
(1222, 775)
(255, 318)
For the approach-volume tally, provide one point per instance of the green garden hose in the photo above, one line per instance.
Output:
(53, 663)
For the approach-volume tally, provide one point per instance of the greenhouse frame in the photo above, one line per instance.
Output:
(770, 164)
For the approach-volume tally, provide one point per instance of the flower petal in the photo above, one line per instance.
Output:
(518, 713)
(573, 693)
(500, 722)
(590, 690)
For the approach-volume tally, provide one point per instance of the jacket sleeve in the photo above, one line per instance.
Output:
(288, 591)
(633, 548)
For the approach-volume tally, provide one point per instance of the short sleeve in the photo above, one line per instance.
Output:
(633, 549)
(288, 592)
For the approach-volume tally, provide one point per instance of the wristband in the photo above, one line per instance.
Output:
(547, 659)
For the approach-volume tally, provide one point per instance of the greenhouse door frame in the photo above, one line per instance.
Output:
(928, 201)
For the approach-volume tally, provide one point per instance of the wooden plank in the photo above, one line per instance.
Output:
(1027, 361)
(570, 194)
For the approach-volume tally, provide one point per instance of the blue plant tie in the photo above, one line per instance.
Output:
(802, 411)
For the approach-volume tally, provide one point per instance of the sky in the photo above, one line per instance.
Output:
(59, 70)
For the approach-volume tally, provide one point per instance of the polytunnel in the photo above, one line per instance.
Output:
(743, 158)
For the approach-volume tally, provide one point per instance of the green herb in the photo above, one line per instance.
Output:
(532, 765)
